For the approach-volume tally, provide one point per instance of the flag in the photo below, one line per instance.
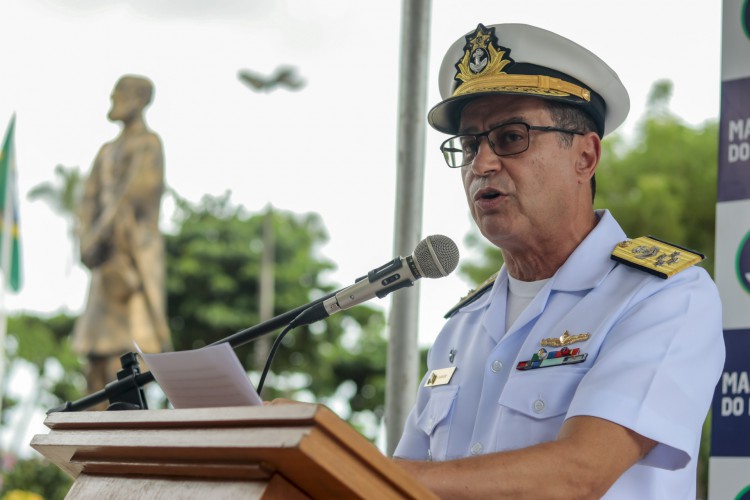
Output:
(10, 244)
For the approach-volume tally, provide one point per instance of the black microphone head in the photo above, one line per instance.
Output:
(436, 256)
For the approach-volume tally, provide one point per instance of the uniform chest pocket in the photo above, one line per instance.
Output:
(533, 406)
(435, 419)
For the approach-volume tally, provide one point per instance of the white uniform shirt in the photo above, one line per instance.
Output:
(655, 353)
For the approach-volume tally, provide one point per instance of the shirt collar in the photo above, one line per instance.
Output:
(585, 268)
(590, 262)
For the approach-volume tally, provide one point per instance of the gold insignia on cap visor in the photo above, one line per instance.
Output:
(481, 70)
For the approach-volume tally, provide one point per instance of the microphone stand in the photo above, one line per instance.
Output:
(126, 393)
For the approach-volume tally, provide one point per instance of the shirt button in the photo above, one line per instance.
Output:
(497, 365)
(538, 406)
(476, 448)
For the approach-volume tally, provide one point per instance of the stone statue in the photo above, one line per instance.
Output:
(120, 241)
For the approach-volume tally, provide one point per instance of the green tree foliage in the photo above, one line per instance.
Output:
(42, 342)
(664, 184)
(213, 268)
(488, 260)
(63, 196)
(35, 476)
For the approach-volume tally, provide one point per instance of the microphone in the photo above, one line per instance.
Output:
(435, 256)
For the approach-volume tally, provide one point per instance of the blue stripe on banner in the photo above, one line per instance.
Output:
(734, 141)
(730, 416)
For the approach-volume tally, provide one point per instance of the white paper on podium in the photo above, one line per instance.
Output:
(203, 378)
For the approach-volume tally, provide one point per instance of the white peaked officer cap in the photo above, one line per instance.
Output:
(518, 59)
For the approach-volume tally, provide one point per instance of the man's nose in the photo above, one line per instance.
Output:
(486, 161)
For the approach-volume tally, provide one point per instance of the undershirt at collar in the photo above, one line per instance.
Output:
(520, 294)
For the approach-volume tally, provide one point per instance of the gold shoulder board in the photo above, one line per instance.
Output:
(473, 295)
(655, 256)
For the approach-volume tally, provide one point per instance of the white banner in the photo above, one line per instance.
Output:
(729, 466)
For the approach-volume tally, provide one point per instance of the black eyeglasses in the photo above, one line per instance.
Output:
(505, 140)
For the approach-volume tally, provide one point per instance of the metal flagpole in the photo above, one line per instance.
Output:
(262, 345)
(403, 351)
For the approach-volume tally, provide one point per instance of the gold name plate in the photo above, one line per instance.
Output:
(440, 377)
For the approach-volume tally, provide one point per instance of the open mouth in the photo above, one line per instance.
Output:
(487, 194)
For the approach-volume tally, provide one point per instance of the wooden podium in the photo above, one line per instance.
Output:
(269, 452)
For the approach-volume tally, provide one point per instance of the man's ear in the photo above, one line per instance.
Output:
(589, 154)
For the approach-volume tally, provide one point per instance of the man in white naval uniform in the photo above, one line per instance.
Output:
(585, 369)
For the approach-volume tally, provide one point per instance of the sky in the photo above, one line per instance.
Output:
(329, 148)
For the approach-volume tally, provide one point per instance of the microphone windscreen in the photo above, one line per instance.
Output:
(436, 256)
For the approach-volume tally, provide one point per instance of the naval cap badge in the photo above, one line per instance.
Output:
(482, 57)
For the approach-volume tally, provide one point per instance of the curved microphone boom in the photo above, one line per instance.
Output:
(435, 256)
